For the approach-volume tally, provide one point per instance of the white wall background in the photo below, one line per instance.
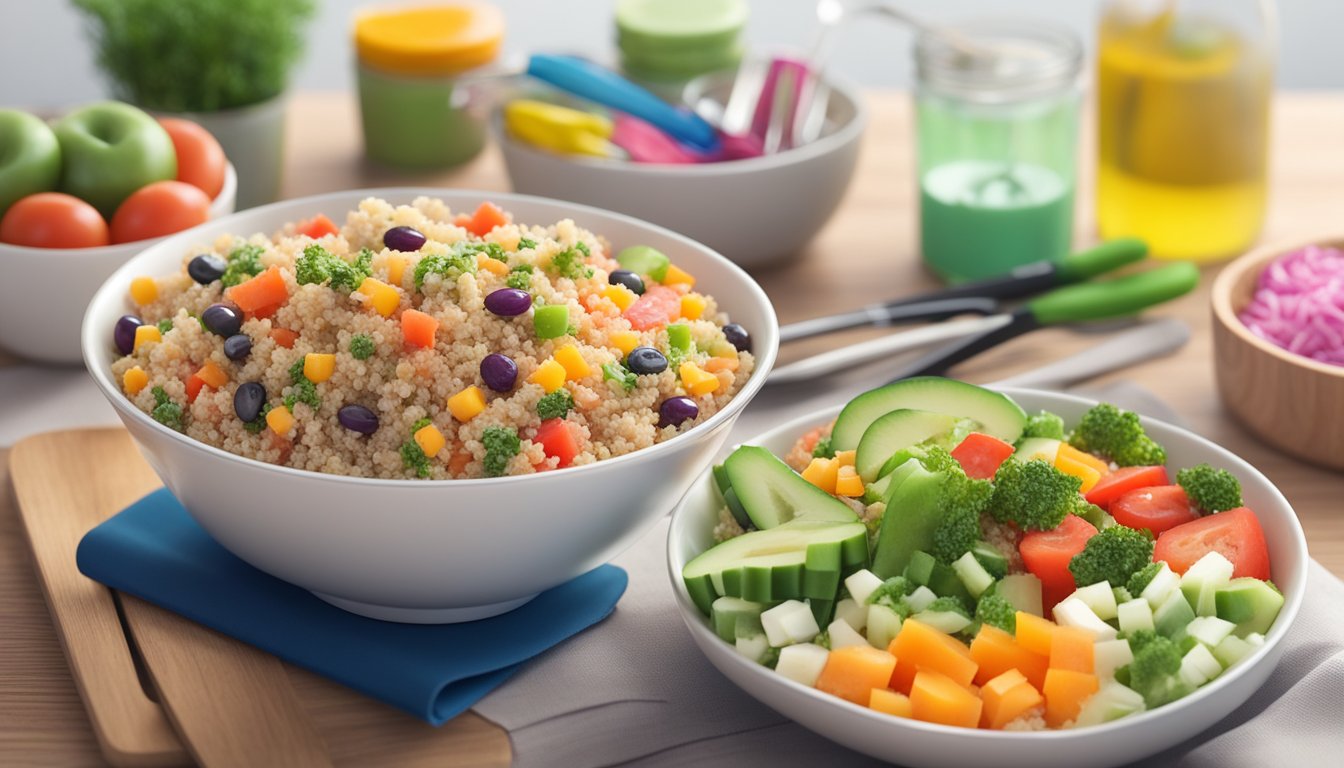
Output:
(46, 61)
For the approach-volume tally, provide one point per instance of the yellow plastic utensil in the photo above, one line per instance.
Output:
(559, 129)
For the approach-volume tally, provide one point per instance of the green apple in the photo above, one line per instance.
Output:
(109, 150)
(30, 157)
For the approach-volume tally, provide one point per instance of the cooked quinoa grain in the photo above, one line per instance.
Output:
(344, 321)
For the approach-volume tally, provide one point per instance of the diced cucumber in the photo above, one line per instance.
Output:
(772, 494)
(950, 622)
(802, 663)
(1198, 666)
(800, 559)
(991, 558)
(972, 574)
(883, 625)
(1023, 591)
(1072, 612)
(996, 413)
(1202, 579)
(920, 568)
(852, 612)
(753, 648)
(1099, 598)
(1110, 655)
(914, 510)
(1249, 603)
(727, 612)
(939, 577)
(644, 260)
(920, 599)
(789, 622)
(1161, 586)
(893, 432)
(1256, 639)
(1231, 650)
(1173, 615)
(1134, 616)
(1209, 630)
(1043, 448)
(862, 584)
(844, 636)
(1111, 702)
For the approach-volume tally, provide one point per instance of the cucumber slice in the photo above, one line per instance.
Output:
(852, 612)
(753, 648)
(844, 636)
(1202, 579)
(1023, 592)
(996, 413)
(1110, 655)
(733, 617)
(1173, 615)
(862, 584)
(721, 480)
(802, 663)
(644, 260)
(1099, 597)
(789, 622)
(1162, 585)
(972, 574)
(914, 511)
(950, 622)
(1198, 666)
(1209, 630)
(1231, 650)
(883, 626)
(1072, 612)
(1111, 702)
(772, 494)
(990, 558)
(1249, 603)
(802, 558)
(1135, 615)
(919, 599)
(1044, 448)
(896, 431)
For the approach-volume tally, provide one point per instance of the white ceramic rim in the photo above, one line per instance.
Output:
(764, 348)
(831, 142)
(696, 622)
(228, 192)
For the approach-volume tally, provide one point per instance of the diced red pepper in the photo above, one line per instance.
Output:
(980, 455)
(487, 217)
(1046, 554)
(556, 438)
(194, 385)
(1123, 480)
(318, 226)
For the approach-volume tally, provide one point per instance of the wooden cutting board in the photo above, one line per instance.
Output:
(161, 690)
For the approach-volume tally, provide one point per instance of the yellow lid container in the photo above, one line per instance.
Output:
(437, 39)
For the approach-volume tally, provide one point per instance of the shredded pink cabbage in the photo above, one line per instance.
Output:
(1299, 304)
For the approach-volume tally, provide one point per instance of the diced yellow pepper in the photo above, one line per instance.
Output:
(212, 375)
(1089, 475)
(1082, 457)
(575, 366)
(146, 334)
(382, 297)
(847, 481)
(396, 267)
(625, 341)
(890, 702)
(550, 375)
(144, 290)
(697, 380)
(134, 380)
(619, 295)
(494, 266)
(846, 458)
(676, 275)
(465, 405)
(822, 473)
(280, 420)
(317, 368)
(430, 440)
(692, 306)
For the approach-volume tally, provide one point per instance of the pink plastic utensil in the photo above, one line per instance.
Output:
(646, 144)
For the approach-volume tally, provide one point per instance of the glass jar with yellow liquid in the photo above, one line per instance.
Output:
(1183, 91)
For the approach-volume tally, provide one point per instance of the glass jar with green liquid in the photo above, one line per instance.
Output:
(996, 110)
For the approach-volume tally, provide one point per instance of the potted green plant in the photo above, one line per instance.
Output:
(225, 65)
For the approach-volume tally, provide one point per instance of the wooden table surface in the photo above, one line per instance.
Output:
(868, 252)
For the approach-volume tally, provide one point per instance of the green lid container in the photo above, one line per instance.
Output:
(676, 40)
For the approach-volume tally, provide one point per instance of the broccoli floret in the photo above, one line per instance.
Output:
(892, 594)
(947, 604)
(1142, 578)
(318, 265)
(1211, 489)
(166, 412)
(1044, 424)
(956, 533)
(165, 325)
(450, 265)
(244, 262)
(492, 250)
(361, 347)
(995, 609)
(256, 425)
(1113, 555)
(421, 424)
(823, 639)
(520, 277)
(1117, 434)
(569, 263)
(1033, 495)
(770, 658)
(824, 449)
(614, 371)
(526, 242)
(963, 499)
(501, 445)
(555, 405)
(413, 458)
(1155, 671)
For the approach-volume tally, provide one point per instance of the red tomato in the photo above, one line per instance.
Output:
(1122, 481)
(1235, 534)
(318, 226)
(53, 220)
(557, 439)
(194, 385)
(658, 306)
(1046, 554)
(487, 217)
(200, 159)
(1157, 508)
(980, 455)
(159, 209)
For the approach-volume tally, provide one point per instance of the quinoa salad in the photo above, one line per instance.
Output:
(419, 342)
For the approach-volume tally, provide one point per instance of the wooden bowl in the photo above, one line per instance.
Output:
(1291, 402)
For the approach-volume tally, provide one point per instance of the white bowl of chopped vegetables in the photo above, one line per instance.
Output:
(809, 688)
(392, 545)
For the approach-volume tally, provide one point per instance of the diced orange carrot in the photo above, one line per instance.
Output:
(417, 328)
(846, 458)
(1033, 633)
(848, 482)
(457, 463)
(134, 380)
(1065, 691)
(937, 698)
(1071, 648)
(854, 671)
(1007, 697)
(716, 364)
(890, 702)
(212, 375)
(487, 217)
(396, 267)
(822, 473)
(919, 646)
(996, 652)
(264, 290)
(462, 219)
(284, 337)
(318, 226)
(262, 313)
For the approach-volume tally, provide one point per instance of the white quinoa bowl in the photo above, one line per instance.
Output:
(915, 743)
(429, 551)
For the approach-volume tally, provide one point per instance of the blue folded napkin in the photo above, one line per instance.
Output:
(156, 551)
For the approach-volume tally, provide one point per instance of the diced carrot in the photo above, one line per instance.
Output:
(462, 219)
(854, 671)
(284, 337)
(996, 652)
(262, 313)
(676, 274)
(846, 458)
(212, 375)
(1007, 697)
(937, 698)
(467, 404)
(890, 702)
(319, 366)
(823, 473)
(194, 386)
(716, 364)
(417, 328)
(1065, 691)
(280, 420)
(263, 290)
(487, 217)
(396, 267)
(919, 646)
(1071, 648)
(696, 381)
(980, 455)
(134, 380)
(457, 463)
(1034, 633)
(318, 226)
(848, 482)
(1084, 472)
(557, 439)
(493, 266)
